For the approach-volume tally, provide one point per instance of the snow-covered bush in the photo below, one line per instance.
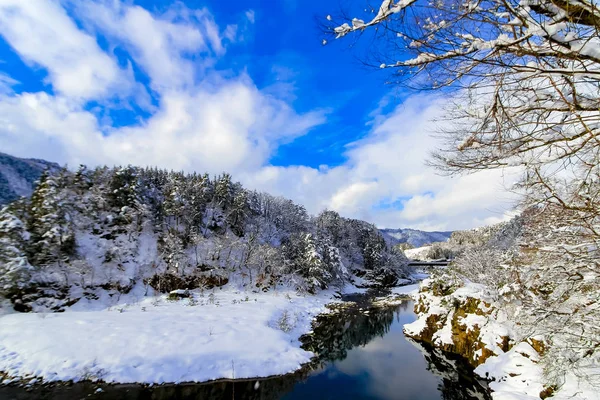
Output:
(439, 251)
(484, 265)
(286, 322)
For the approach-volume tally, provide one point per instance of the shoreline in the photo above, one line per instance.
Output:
(302, 311)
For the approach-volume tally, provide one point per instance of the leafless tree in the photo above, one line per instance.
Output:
(528, 79)
(525, 82)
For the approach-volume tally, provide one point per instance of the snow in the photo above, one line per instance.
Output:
(387, 8)
(350, 288)
(517, 373)
(472, 321)
(6, 307)
(419, 253)
(407, 289)
(444, 335)
(152, 340)
(470, 289)
(416, 327)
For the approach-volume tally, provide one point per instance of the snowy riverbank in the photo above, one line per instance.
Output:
(469, 322)
(219, 334)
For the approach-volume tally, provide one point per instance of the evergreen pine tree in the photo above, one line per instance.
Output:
(52, 237)
(15, 269)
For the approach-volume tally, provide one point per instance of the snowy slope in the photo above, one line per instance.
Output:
(418, 253)
(415, 237)
(18, 175)
(219, 334)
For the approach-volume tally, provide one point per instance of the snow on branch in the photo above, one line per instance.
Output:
(387, 8)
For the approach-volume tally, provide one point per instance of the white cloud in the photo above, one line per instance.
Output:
(7, 83)
(158, 43)
(211, 121)
(205, 120)
(251, 16)
(43, 35)
(385, 179)
(234, 130)
(351, 198)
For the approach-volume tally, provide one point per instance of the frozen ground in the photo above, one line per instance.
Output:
(218, 334)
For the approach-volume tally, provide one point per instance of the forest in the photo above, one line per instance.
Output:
(117, 227)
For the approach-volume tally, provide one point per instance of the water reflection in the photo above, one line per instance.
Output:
(362, 354)
(368, 357)
(458, 380)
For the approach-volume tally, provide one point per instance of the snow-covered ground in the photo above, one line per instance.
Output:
(419, 253)
(407, 289)
(217, 333)
(221, 334)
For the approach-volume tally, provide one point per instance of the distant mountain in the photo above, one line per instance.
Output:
(415, 237)
(18, 176)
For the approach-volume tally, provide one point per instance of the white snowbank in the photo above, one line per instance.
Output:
(349, 288)
(227, 334)
(419, 253)
(406, 289)
(517, 373)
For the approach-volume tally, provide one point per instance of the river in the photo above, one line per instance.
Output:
(362, 353)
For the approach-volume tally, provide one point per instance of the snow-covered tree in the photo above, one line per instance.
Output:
(52, 237)
(224, 191)
(529, 89)
(123, 187)
(237, 214)
(525, 80)
(15, 270)
(173, 252)
(331, 222)
(111, 227)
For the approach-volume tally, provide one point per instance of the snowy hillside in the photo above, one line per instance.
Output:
(114, 229)
(18, 175)
(415, 237)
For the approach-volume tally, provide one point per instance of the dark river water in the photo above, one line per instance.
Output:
(359, 356)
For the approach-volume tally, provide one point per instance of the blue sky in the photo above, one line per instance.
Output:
(244, 87)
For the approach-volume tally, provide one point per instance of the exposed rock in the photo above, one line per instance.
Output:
(465, 320)
(166, 283)
(179, 294)
(451, 313)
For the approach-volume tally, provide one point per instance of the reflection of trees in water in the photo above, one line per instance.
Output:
(458, 380)
(335, 334)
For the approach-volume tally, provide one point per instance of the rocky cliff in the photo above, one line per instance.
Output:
(464, 319)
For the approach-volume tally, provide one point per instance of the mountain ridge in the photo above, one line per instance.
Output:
(415, 237)
(18, 176)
